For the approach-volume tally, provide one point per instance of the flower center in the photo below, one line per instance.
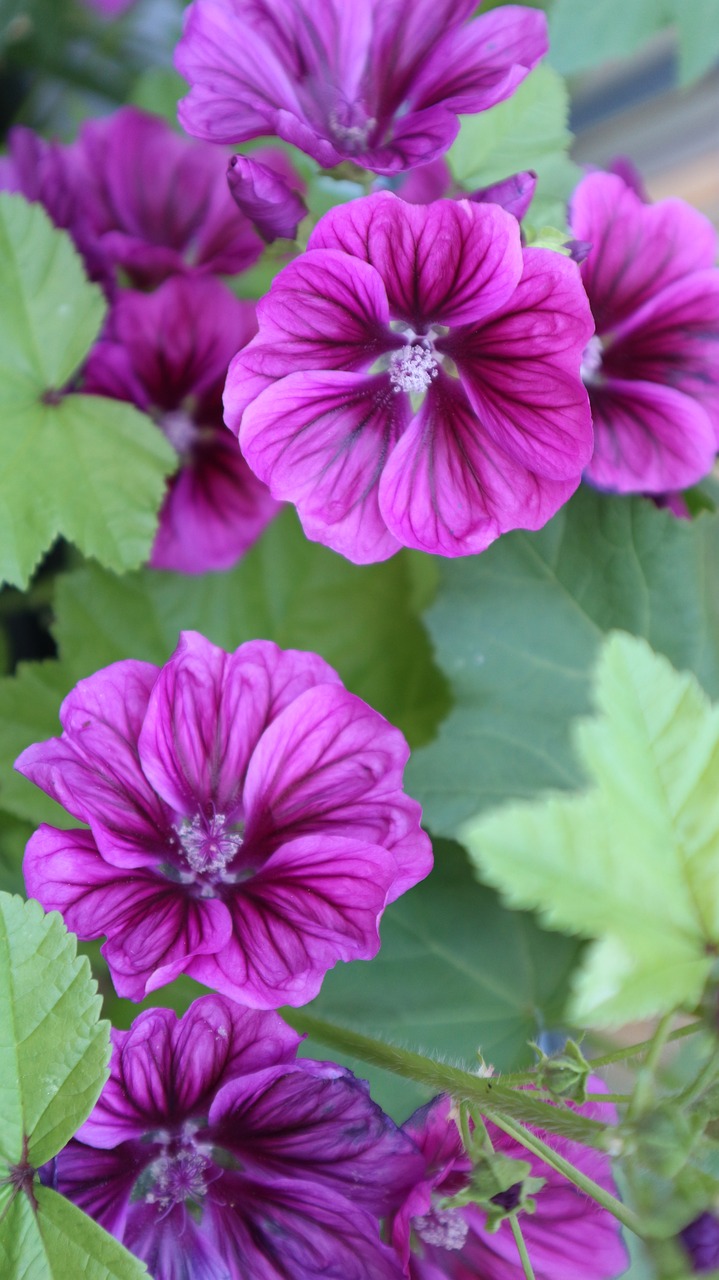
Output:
(180, 429)
(591, 362)
(177, 1178)
(351, 127)
(206, 842)
(445, 1228)
(412, 368)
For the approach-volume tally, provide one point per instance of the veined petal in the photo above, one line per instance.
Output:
(520, 370)
(153, 927)
(475, 66)
(316, 1121)
(313, 903)
(165, 1068)
(99, 1182)
(94, 768)
(637, 249)
(450, 489)
(172, 1243)
(450, 262)
(265, 198)
(286, 1229)
(321, 440)
(329, 764)
(648, 438)
(207, 711)
(418, 138)
(674, 341)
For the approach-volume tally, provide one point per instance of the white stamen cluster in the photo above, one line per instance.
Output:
(412, 369)
(177, 1178)
(206, 843)
(445, 1228)
(180, 429)
(591, 361)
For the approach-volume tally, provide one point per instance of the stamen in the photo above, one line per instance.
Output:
(446, 1228)
(206, 844)
(177, 1178)
(591, 361)
(412, 369)
(180, 429)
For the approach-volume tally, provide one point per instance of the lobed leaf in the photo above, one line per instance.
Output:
(59, 1241)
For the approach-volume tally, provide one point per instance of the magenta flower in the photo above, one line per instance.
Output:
(701, 1241)
(415, 380)
(377, 83)
(268, 193)
(652, 371)
(213, 1154)
(168, 352)
(567, 1236)
(247, 821)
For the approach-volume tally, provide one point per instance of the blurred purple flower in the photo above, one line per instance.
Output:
(213, 1154)
(652, 370)
(434, 181)
(701, 1241)
(109, 8)
(567, 1236)
(396, 303)
(377, 82)
(247, 821)
(268, 193)
(168, 352)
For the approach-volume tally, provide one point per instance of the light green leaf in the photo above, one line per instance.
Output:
(583, 34)
(85, 467)
(60, 1242)
(53, 1050)
(29, 705)
(456, 973)
(517, 631)
(528, 131)
(634, 862)
(698, 31)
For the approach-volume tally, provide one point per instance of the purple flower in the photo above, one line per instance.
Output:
(567, 1236)
(267, 191)
(158, 203)
(247, 821)
(701, 1241)
(377, 82)
(109, 8)
(415, 380)
(434, 181)
(168, 352)
(652, 370)
(213, 1154)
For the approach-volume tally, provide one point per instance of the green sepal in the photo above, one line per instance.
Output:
(563, 1075)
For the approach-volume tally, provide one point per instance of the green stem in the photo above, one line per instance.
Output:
(695, 1087)
(521, 1246)
(608, 1097)
(644, 1084)
(551, 1157)
(619, 1055)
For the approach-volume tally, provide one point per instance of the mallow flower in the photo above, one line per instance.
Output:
(415, 380)
(376, 82)
(168, 352)
(652, 369)
(247, 823)
(567, 1235)
(213, 1154)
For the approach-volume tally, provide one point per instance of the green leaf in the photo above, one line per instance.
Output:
(528, 131)
(456, 973)
(583, 34)
(29, 705)
(698, 31)
(633, 862)
(517, 631)
(84, 467)
(58, 1242)
(53, 1050)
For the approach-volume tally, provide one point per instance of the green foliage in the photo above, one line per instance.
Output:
(456, 974)
(84, 467)
(53, 1064)
(528, 131)
(584, 34)
(634, 861)
(517, 630)
(56, 1241)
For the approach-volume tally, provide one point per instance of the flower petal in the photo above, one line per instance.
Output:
(99, 1182)
(450, 489)
(450, 262)
(265, 198)
(165, 1070)
(648, 438)
(317, 1122)
(320, 439)
(94, 768)
(520, 370)
(312, 903)
(637, 249)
